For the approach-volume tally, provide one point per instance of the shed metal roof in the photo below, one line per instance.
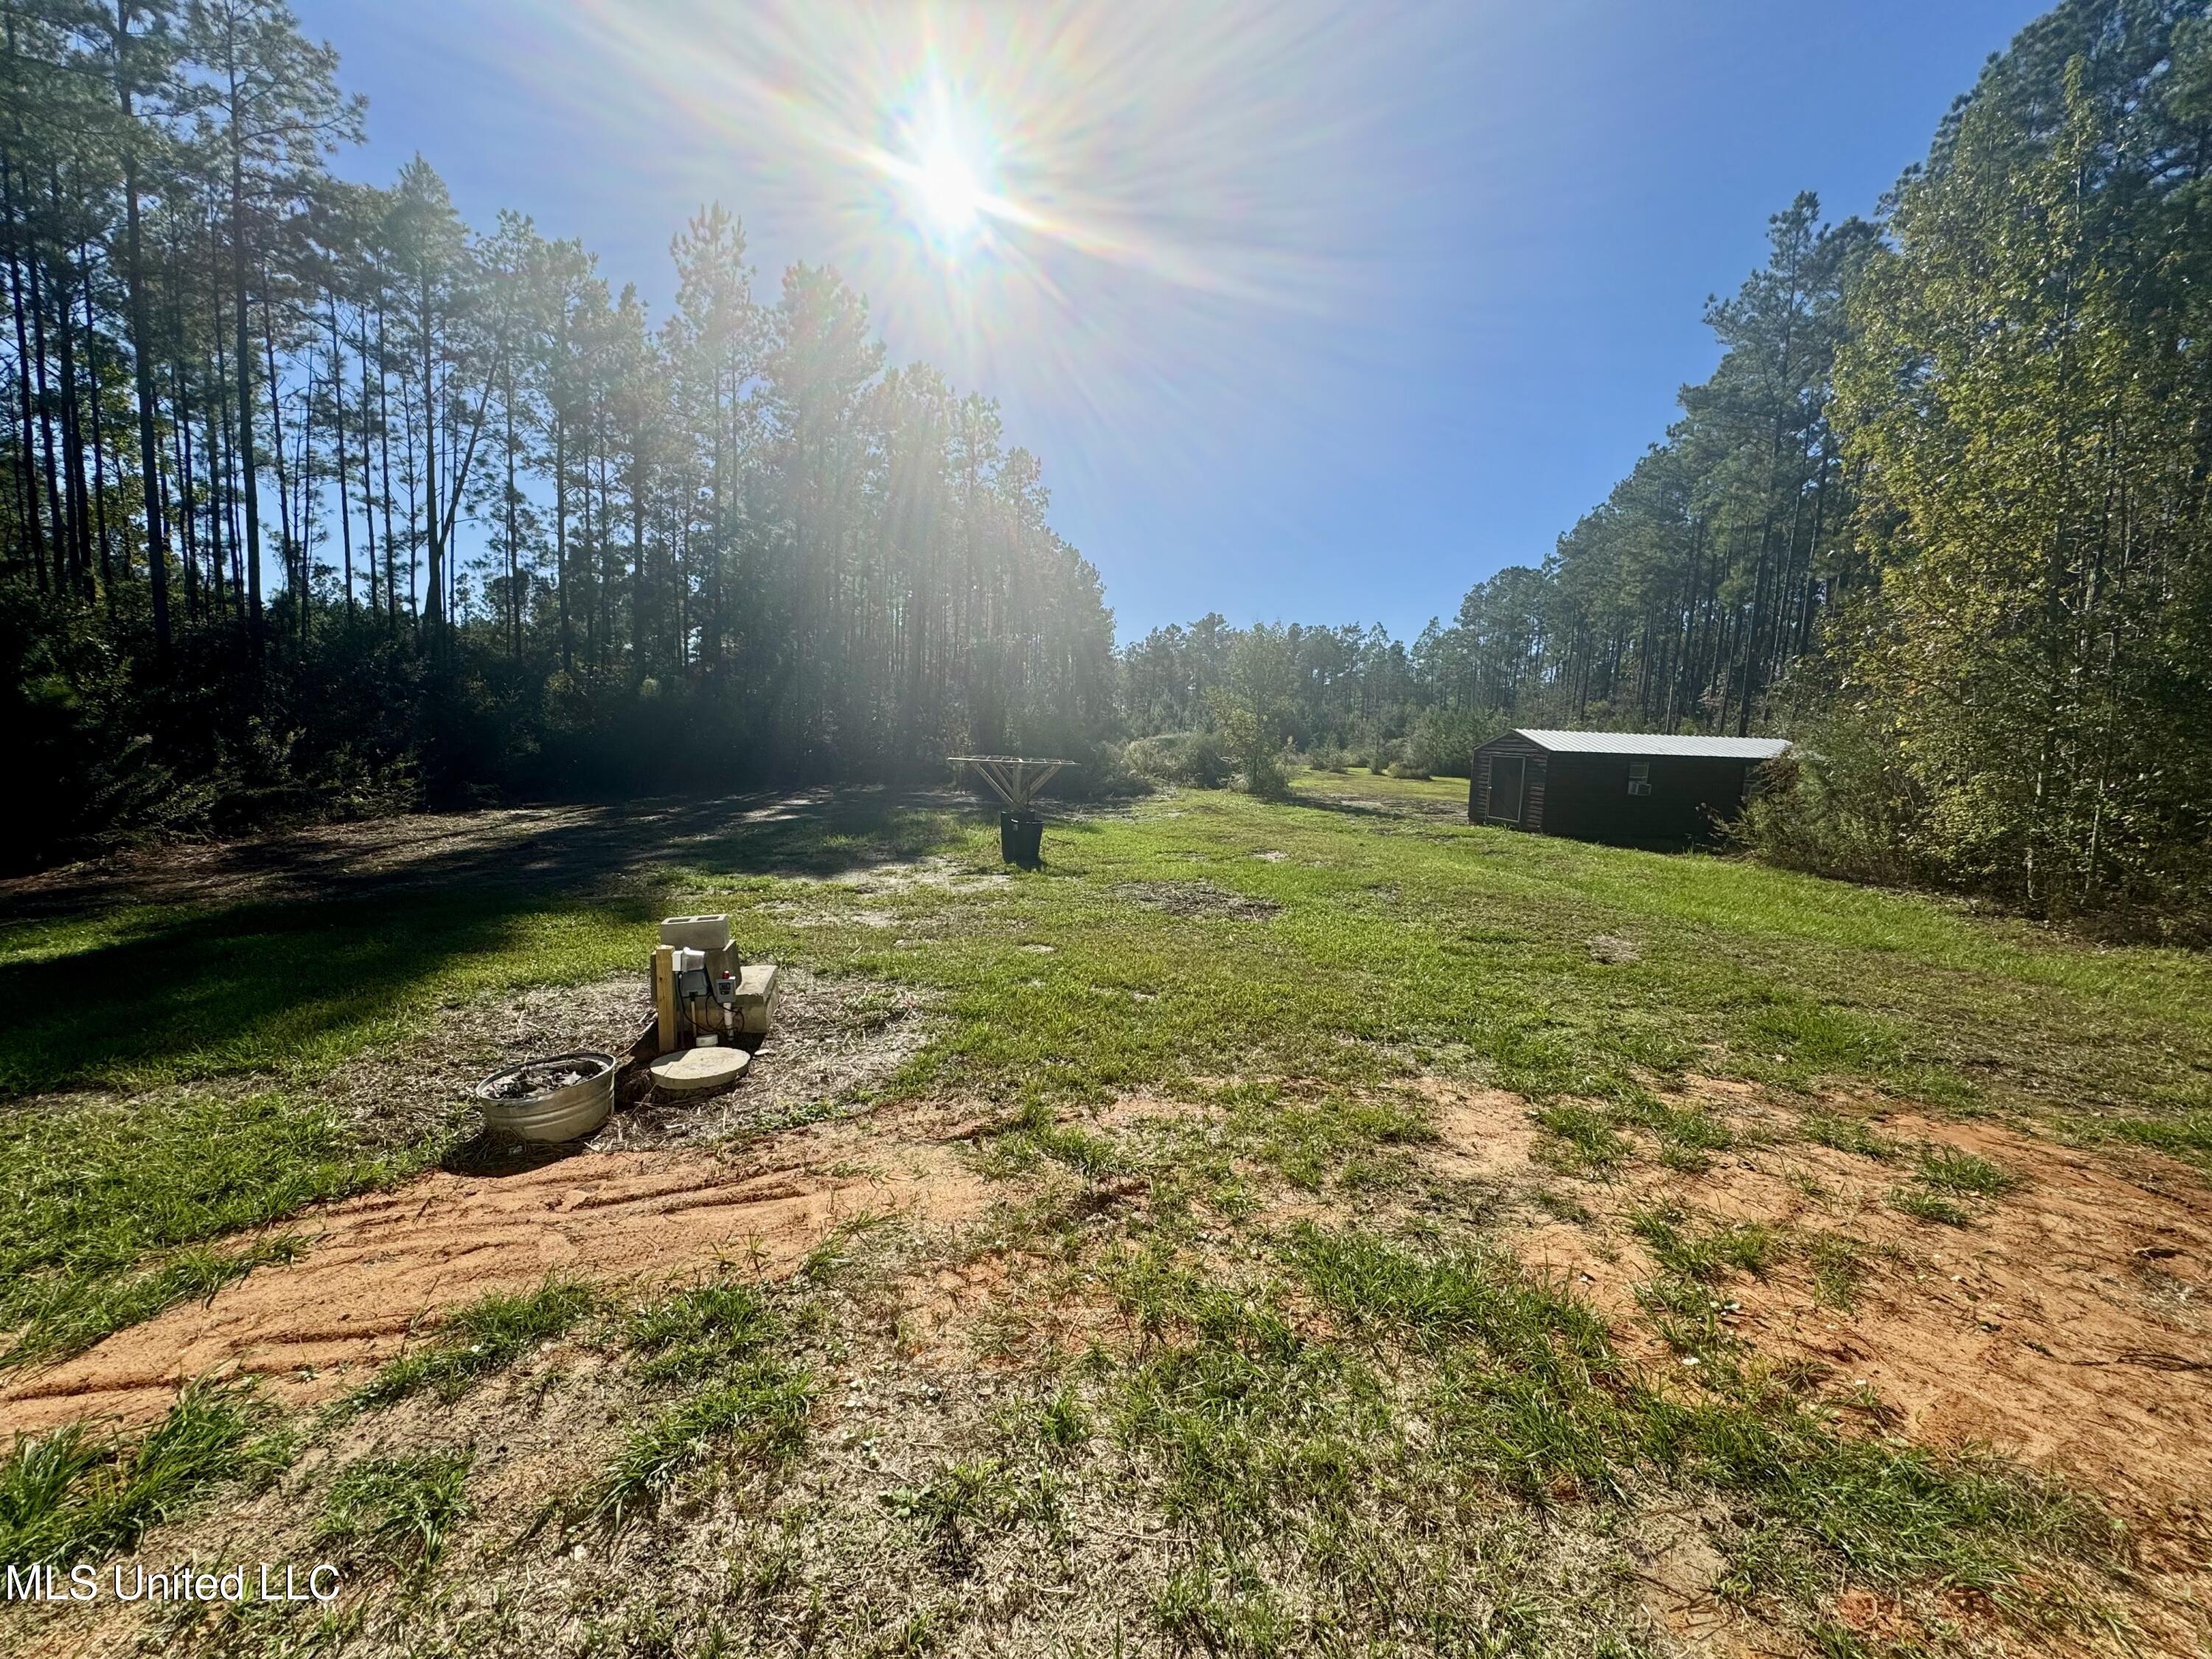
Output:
(1654, 743)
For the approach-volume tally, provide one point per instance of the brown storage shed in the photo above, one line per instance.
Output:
(1631, 788)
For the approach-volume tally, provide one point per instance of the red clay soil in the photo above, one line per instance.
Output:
(380, 1267)
(2069, 1326)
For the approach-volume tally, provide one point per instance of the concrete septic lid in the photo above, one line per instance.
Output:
(699, 1071)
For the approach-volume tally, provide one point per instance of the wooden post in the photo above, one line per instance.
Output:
(664, 995)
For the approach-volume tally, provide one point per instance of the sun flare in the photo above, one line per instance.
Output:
(949, 189)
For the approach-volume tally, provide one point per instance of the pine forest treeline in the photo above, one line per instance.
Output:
(313, 493)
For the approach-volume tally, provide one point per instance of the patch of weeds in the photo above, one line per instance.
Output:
(1802, 1376)
(1529, 1388)
(1949, 1170)
(1037, 1134)
(1924, 1206)
(1839, 1268)
(721, 1333)
(837, 1254)
(1253, 1428)
(968, 1501)
(1894, 1513)
(920, 1633)
(757, 1415)
(1864, 1396)
(1579, 1139)
(398, 1511)
(1514, 1418)
(1089, 1155)
(65, 1496)
(1309, 1144)
(1831, 1640)
(1062, 1424)
(481, 1337)
(1561, 1207)
(1051, 1428)
(1750, 1246)
(1213, 1606)
(1688, 1135)
(707, 1328)
(1686, 1315)
(2187, 1136)
(1003, 1157)
(1847, 1134)
(1768, 1560)
(76, 1313)
(1819, 1037)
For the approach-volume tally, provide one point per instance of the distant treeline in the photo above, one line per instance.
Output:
(1944, 512)
(312, 498)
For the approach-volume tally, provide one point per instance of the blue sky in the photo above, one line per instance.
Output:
(1324, 311)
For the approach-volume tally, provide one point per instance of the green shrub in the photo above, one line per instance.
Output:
(1193, 758)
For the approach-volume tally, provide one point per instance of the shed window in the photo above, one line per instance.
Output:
(1639, 777)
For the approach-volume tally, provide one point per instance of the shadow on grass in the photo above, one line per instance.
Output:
(491, 1159)
(262, 984)
(1374, 807)
(255, 986)
(820, 838)
(817, 832)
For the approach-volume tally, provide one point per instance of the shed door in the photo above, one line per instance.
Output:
(1508, 775)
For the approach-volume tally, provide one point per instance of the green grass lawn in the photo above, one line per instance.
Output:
(1401, 941)
(1286, 963)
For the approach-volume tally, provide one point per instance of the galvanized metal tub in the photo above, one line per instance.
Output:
(546, 1099)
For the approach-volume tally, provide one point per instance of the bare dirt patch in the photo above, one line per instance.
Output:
(2069, 1326)
(1198, 900)
(936, 872)
(381, 1266)
(836, 1042)
(1482, 1134)
(418, 1090)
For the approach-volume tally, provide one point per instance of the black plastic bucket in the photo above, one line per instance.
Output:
(1021, 835)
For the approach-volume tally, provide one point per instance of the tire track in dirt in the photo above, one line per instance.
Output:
(379, 1267)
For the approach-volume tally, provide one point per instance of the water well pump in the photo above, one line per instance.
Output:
(714, 998)
(707, 995)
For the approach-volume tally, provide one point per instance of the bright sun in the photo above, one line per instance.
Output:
(948, 186)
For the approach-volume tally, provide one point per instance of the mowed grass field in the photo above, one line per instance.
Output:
(1316, 1385)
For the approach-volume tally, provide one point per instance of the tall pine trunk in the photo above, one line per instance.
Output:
(142, 344)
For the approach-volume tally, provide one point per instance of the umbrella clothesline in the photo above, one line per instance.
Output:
(1015, 779)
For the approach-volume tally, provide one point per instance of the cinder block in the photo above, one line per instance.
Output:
(708, 933)
(756, 1005)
